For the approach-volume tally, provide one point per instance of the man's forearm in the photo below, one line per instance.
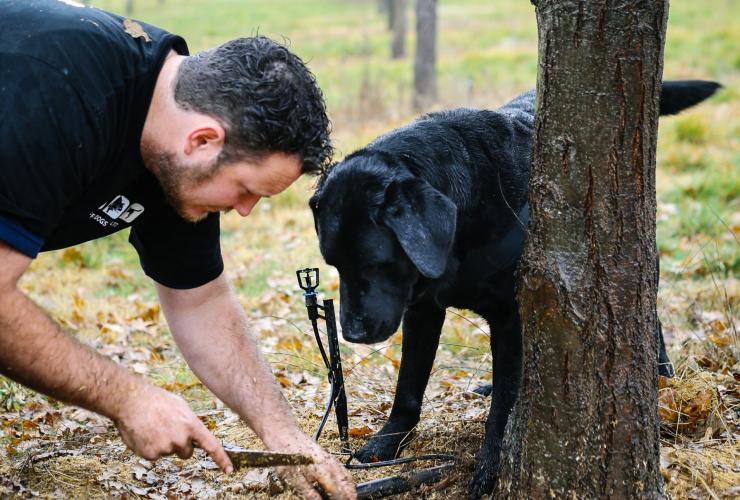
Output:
(36, 353)
(216, 340)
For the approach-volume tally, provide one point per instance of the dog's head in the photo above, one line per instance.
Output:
(382, 228)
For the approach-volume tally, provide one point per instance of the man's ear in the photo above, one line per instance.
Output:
(205, 139)
(423, 220)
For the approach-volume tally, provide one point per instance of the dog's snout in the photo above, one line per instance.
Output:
(355, 336)
(364, 329)
(354, 329)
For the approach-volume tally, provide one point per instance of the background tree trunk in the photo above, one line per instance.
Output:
(385, 7)
(425, 62)
(398, 42)
(129, 9)
(586, 422)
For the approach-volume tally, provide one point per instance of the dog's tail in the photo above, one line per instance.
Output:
(678, 95)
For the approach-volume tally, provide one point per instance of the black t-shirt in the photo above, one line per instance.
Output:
(75, 89)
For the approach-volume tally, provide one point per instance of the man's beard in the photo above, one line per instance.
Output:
(175, 179)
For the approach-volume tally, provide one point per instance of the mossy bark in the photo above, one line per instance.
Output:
(586, 422)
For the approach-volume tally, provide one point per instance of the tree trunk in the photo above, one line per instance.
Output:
(129, 9)
(398, 42)
(385, 7)
(425, 70)
(586, 422)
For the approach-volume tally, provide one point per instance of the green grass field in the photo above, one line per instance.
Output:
(487, 54)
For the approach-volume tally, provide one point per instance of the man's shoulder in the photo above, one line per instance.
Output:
(76, 39)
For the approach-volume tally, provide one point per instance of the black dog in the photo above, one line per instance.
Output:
(430, 216)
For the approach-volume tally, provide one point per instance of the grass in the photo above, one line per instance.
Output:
(487, 54)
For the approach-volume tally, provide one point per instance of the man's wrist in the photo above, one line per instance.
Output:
(129, 390)
(285, 438)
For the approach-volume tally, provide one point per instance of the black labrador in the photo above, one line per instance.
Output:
(433, 215)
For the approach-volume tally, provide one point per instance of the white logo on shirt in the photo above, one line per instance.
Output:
(121, 208)
(115, 207)
(131, 213)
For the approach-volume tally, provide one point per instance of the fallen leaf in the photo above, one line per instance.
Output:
(73, 255)
(357, 432)
(135, 30)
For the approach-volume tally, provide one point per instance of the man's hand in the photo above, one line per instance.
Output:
(212, 331)
(325, 475)
(155, 423)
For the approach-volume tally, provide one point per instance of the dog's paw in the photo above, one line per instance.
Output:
(484, 479)
(383, 446)
(484, 389)
(665, 368)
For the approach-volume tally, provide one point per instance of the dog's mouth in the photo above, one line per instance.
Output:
(367, 330)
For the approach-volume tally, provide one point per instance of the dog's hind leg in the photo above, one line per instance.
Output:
(665, 367)
(506, 344)
(422, 325)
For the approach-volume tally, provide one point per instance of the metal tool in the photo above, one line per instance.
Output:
(243, 458)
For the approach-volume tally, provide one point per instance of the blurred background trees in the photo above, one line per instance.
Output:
(425, 61)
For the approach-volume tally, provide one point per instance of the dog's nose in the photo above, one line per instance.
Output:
(368, 334)
(364, 328)
(355, 335)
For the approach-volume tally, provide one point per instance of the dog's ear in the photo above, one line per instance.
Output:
(423, 220)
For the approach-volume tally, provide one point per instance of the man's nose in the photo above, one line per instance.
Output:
(245, 205)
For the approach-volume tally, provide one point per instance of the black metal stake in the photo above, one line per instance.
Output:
(339, 396)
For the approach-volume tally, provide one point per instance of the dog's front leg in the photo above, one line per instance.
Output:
(422, 325)
(506, 344)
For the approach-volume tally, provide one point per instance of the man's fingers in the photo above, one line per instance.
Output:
(205, 440)
(299, 483)
(334, 481)
(328, 483)
(185, 451)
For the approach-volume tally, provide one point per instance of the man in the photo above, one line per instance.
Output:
(106, 123)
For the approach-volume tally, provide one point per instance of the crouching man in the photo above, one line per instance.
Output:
(105, 124)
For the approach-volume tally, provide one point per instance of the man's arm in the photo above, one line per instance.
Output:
(35, 352)
(212, 331)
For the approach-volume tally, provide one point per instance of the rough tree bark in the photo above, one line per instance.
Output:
(586, 422)
(398, 41)
(425, 61)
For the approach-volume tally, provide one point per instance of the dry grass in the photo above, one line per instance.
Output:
(701, 424)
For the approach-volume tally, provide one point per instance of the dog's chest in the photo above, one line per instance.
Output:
(481, 295)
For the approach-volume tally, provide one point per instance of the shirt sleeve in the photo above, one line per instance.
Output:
(177, 253)
(46, 150)
(20, 238)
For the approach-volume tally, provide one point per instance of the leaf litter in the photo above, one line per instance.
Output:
(54, 451)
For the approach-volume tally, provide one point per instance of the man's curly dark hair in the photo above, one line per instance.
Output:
(264, 96)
